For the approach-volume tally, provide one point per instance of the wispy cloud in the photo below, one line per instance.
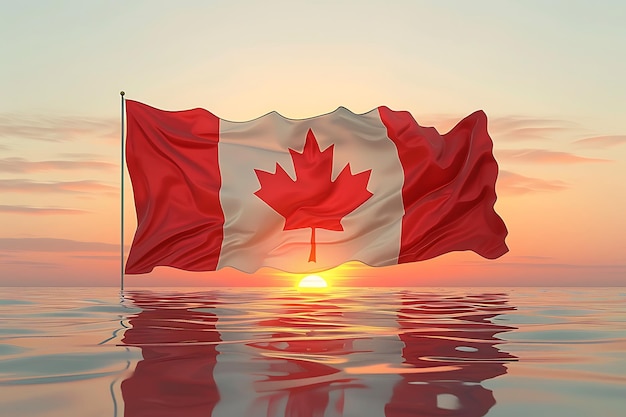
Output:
(543, 156)
(27, 210)
(520, 128)
(529, 133)
(516, 184)
(602, 141)
(98, 257)
(508, 128)
(22, 165)
(47, 244)
(31, 264)
(529, 257)
(547, 265)
(71, 187)
(80, 156)
(513, 122)
(55, 128)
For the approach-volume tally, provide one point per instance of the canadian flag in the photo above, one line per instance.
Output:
(307, 195)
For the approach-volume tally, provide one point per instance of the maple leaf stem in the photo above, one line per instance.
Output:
(312, 253)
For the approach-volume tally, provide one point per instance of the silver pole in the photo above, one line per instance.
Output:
(122, 201)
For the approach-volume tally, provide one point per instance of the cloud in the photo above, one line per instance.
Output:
(515, 122)
(55, 128)
(98, 257)
(543, 156)
(32, 264)
(509, 128)
(22, 165)
(518, 128)
(516, 184)
(80, 155)
(547, 265)
(47, 244)
(529, 133)
(68, 187)
(38, 210)
(529, 257)
(602, 141)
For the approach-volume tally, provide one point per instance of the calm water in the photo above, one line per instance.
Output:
(272, 352)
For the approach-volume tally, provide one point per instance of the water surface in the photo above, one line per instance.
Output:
(279, 352)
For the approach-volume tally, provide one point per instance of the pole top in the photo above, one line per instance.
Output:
(122, 93)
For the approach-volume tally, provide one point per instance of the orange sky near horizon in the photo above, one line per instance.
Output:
(549, 77)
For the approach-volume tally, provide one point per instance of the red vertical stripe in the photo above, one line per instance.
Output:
(449, 188)
(172, 160)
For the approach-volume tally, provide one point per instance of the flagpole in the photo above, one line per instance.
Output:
(122, 200)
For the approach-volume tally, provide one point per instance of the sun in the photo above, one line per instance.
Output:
(312, 281)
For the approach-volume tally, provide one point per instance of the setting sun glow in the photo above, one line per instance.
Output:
(312, 281)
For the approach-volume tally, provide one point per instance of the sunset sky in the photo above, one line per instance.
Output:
(549, 75)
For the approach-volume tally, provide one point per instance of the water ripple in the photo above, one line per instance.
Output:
(349, 352)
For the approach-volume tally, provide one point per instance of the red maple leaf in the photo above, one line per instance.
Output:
(313, 200)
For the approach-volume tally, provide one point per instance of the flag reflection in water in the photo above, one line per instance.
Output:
(450, 344)
(304, 376)
(357, 353)
(178, 341)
